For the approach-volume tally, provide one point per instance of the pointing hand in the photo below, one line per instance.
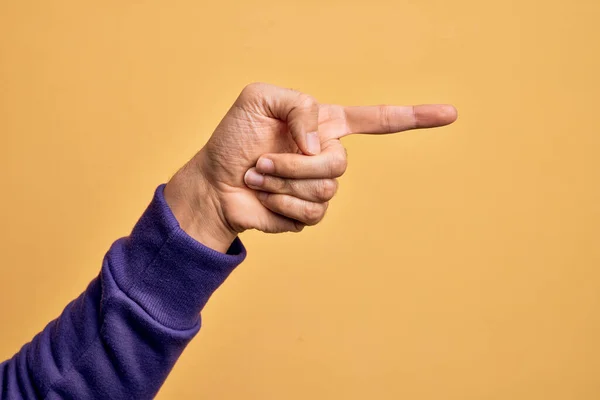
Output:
(290, 141)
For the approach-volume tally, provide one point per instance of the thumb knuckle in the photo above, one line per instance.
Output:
(305, 101)
(252, 91)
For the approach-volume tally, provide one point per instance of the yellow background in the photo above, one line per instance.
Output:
(458, 263)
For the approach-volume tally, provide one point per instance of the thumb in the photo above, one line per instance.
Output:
(298, 110)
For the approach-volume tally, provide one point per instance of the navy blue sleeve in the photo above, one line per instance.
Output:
(121, 337)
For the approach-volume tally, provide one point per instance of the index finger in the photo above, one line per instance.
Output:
(390, 119)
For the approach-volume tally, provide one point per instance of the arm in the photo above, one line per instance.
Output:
(122, 336)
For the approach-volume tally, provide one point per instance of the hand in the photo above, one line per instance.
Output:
(208, 195)
(299, 187)
(302, 200)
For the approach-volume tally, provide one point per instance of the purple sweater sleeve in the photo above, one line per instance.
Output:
(121, 337)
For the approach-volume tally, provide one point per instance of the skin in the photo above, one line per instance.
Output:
(272, 163)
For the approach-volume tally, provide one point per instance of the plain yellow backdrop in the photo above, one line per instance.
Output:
(457, 263)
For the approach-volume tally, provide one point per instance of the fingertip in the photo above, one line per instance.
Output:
(449, 113)
(253, 179)
(435, 115)
(265, 165)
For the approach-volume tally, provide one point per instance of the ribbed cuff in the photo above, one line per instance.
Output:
(167, 272)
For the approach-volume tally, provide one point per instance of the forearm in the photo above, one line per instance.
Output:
(122, 336)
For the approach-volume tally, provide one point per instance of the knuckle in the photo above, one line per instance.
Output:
(384, 117)
(286, 202)
(294, 168)
(313, 213)
(275, 185)
(282, 185)
(326, 189)
(305, 101)
(338, 164)
(252, 90)
(292, 187)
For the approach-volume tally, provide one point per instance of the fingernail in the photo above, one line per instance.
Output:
(253, 178)
(265, 166)
(262, 196)
(313, 143)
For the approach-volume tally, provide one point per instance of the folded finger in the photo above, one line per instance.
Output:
(330, 163)
(317, 190)
(306, 212)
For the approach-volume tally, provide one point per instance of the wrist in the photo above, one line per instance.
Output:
(196, 207)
